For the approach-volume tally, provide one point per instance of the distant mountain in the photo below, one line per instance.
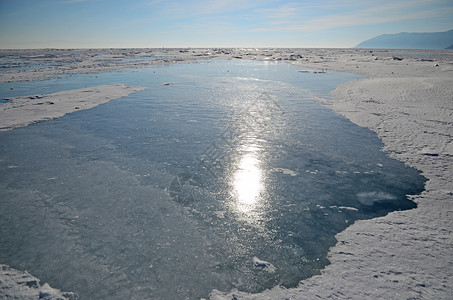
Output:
(405, 40)
(451, 47)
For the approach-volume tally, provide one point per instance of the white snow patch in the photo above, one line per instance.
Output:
(344, 207)
(369, 198)
(348, 208)
(15, 284)
(286, 171)
(264, 265)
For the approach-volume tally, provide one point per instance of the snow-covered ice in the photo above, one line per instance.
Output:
(409, 104)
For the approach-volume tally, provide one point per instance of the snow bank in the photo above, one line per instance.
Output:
(406, 254)
(409, 104)
(22, 111)
(16, 284)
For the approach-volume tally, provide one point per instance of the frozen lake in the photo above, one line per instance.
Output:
(220, 175)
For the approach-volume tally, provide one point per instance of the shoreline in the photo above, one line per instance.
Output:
(26, 110)
(409, 104)
(408, 253)
(88, 61)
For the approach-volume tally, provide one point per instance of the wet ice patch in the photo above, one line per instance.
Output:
(369, 198)
(263, 265)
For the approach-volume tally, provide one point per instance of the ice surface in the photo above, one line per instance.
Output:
(22, 111)
(409, 106)
(121, 188)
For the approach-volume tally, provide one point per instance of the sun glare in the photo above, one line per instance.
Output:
(247, 179)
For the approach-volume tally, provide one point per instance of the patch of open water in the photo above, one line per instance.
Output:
(230, 177)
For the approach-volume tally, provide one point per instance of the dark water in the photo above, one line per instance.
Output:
(232, 177)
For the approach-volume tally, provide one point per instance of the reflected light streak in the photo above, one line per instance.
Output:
(247, 180)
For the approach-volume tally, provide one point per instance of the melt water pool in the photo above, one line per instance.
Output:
(219, 175)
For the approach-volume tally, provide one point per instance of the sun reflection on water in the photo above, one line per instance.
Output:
(248, 179)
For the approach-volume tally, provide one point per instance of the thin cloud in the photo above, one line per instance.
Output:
(73, 1)
(153, 2)
(391, 12)
(278, 13)
(280, 22)
(195, 8)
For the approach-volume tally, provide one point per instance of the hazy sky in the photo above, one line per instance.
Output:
(213, 23)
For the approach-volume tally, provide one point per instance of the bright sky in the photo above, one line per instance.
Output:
(213, 23)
